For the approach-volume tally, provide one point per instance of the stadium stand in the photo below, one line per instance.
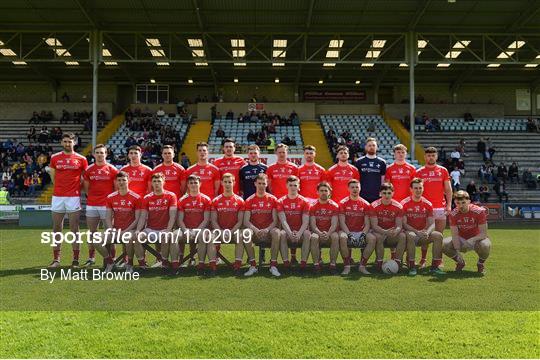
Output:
(360, 127)
(479, 124)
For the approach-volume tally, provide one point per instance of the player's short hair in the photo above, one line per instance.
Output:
(387, 186)
(310, 147)
(353, 181)
(292, 178)
(122, 174)
(281, 145)
(254, 147)
(342, 147)
(134, 147)
(262, 176)
(167, 147)
(416, 181)
(158, 175)
(193, 177)
(461, 195)
(400, 147)
(68, 135)
(227, 175)
(431, 150)
(99, 146)
(231, 140)
(324, 184)
(202, 144)
(371, 139)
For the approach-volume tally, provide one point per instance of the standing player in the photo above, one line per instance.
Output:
(250, 171)
(279, 172)
(157, 220)
(310, 175)
(194, 217)
(468, 223)
(98, 184)
(420, 227)
(387, 223)
(324, 227)
(208, 173)
(437, 190)
(66, 171)
(293, 213)
(372, 170)
(139, 175)
(227, 217)
(123, 212)
(400, 173)
(339, 174)
(260, 216)
(354, 224)
(174, 173)
(230, 163)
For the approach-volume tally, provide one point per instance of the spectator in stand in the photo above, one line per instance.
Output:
(31, 134)
(456, 178)
(429, 125)
(229, 115)
(490, 149)
(484, 194)
(65, 97)
(43, 137)
(64, 119)
(419, 99)
(500, 190)
(513, 172)
(220, 132)
(528, 179)
(468, 117)
(502, 172)
(482, 174)
(461, 147)
(533, 125)
(455, 156)
(34, 119)
(184, 160)
(473, 191)
(251, 136)
(160, 113)
(436, 124)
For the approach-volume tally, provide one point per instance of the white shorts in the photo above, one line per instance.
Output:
(96, 211)
(439, 214)
(465, 245)
(65, 204)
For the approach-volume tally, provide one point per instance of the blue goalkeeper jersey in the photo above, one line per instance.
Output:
(371, 172)
(248, 173)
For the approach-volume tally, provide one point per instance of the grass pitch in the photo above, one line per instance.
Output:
(464, 315)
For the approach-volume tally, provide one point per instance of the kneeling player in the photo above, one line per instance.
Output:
(260, 217)
(157, 220)
(293, 213)
(419, 227)
(386, 220)
(468, 223)
(324, 226)
(123, 212)
(227, 217)
(193, 218)
(354, 223)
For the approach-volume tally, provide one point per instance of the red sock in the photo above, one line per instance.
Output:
(363, 261)
(218, 247)
(142, 262)
(412, 264)
(379, 264)
(347, 261)
(129, 261)
(455, 258)
(435, 263)
(213, 265)
(287, 264)
(200, 266)
(253, 262)
(112, 251)
(237, 264)
(303, 264)
(76, 254)
(165, 263)
(175, 264)
(56, 255)
(424, 253)
(273, 263)
(109, 260)
(91, 253)
(481, 261)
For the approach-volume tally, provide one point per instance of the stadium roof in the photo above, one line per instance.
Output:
(302, 42)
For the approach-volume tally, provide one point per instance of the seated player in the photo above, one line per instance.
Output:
(419, 227)
(324, 227)
(293, 213)
(260, 216)
(227, 218)
(468, 223)
(355, 226)
(156, 222)
(387, 221)
(123, 212)
(194, 217)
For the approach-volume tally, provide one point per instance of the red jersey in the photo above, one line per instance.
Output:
(139, 177)
(278, 174)
(100, 183)
(209, 174)
(468, 223)
(158, 209)
(294, 209)
(386, 214)
(434, 178)
(417, 212)
(338, 176)
(227, 208)
(230, 165)
(174, 175)
(261, 209)
(323, 214)
(193, 208)
(355, 212)
(310, 176)
(400, 176)
(123, 208)
(69, 169)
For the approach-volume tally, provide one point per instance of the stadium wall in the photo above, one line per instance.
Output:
(306, 111)
(446, 110)
(43, 92)
(346, 109)
(23, 110)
